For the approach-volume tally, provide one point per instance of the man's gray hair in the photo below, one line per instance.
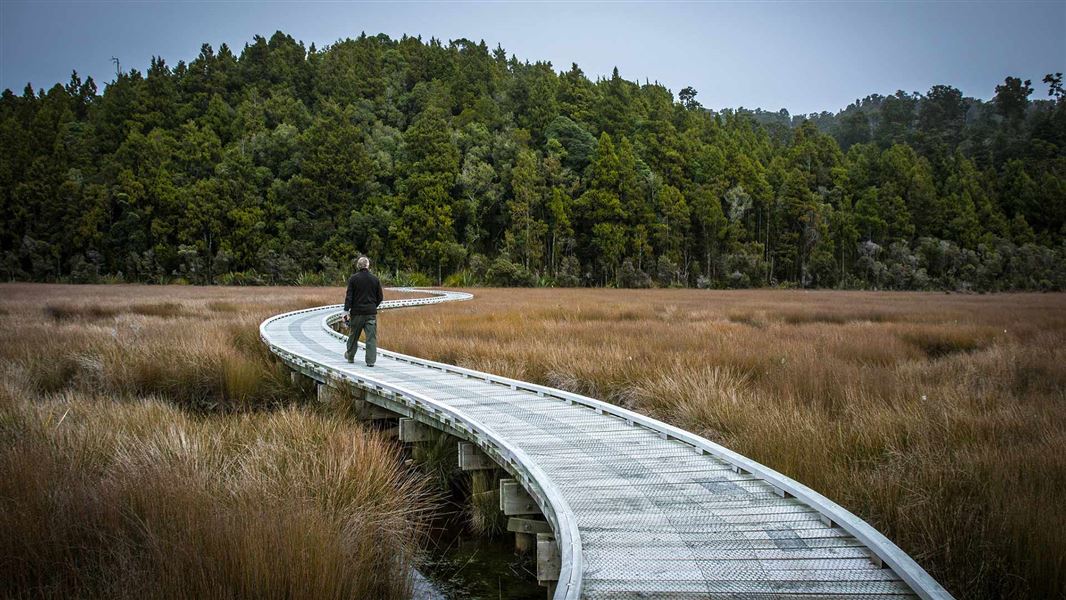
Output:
(362, 263)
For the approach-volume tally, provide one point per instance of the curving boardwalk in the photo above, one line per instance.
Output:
(638, 509)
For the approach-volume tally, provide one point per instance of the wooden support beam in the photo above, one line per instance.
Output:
(472, 459)
(412, 430)
(549, 560)
(514, 500)
(368, 411)
(526, 525)
(302, 377)
(325, 392)
(373, 396)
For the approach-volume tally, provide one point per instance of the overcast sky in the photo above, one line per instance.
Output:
(803, 56)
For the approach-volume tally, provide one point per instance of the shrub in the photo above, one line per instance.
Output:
(405, 279)
(631, 277)
(502, 272)
(569, 272)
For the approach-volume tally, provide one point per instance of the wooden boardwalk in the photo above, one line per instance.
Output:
(637, 508)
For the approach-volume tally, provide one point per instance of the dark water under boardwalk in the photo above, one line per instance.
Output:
(459, 564)
(464, 566)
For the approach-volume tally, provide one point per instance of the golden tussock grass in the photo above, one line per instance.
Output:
(150, 449)
(940, 419)
(483, 508)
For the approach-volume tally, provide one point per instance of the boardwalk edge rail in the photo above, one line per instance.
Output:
(551, 501)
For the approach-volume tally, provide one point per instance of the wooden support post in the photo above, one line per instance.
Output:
(524, 543)
(514, 500)
(325, 392)
(486, 498)
(472, 459)
(525, 532)
(294, 375)
(412, 430)
(549, 561)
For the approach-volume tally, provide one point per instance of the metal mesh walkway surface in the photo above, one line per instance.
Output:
(638, 509)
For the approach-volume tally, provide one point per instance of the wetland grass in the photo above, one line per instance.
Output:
(150, 448)
(940, 419)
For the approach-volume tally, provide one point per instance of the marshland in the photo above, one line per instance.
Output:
(152, 448)
(149, 448)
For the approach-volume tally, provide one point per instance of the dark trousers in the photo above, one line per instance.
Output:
(359, 324)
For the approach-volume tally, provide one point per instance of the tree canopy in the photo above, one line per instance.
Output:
(456, 162)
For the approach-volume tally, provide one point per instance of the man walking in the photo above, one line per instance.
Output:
(361, 310)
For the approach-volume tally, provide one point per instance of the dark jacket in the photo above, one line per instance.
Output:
(364, 294)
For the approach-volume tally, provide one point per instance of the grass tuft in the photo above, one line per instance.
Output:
(223, 307)
(166, 310)
(937, 342)
(483, 507)
(70, 312)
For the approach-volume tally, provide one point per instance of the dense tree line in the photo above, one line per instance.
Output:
(454, 162)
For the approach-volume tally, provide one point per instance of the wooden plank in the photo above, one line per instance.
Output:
(666, 582)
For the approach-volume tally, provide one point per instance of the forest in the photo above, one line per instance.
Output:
(455, 163)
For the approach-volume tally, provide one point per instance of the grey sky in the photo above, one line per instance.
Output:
(805, 57)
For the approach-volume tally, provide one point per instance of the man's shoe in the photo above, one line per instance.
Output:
(370, 365)
(350, 359)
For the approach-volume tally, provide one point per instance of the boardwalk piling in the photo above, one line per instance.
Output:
(548, 561)
(525, 532)
(472, 459)
(514, 500)
(411, 430)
